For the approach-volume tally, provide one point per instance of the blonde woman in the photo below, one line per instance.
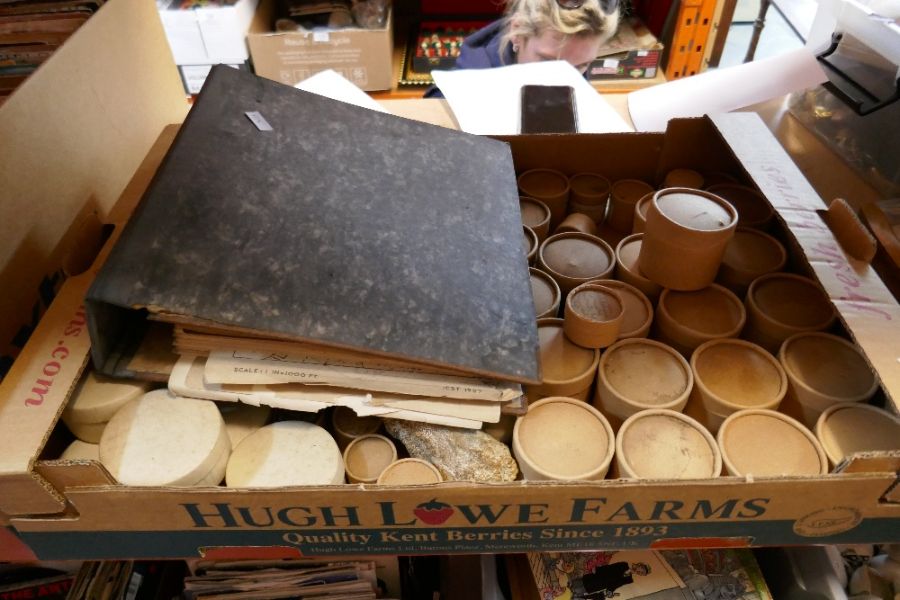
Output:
(536, 30)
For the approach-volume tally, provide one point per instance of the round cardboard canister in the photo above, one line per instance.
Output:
(824, 370)
(577, 222)
(545, 292)
(597, 213)
(366, 458)
(683, 178)
(161, 439)
(749, 254)
(567, 369)
(780, 305)
(593, 316)
(87, 432)
(851, 427)
(624, 194)
(687, 232)
(638, 309)
(242, 419)
(640, 213)
(536, 215)
(285, 453)
(501, 430)
(575, 258)
(732, 375)
(716, 177)
(550, 187)
(752, 207)
(638, 374)
(589, 189)
(627, 270)
(79, 450)
(765, 443)
(530, 244)
(684, 320)
(410, 471)
(563, 439)
(347, 426)
(664, 444)
(97, 398)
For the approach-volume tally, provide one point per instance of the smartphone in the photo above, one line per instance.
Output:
(548, 109)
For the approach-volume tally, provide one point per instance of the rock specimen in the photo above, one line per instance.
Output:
(459, 454)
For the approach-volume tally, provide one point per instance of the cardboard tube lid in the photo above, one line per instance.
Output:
(687, 178)
(829, 365)
(712, 310)
(646, 372)
(543, 182)
(767, 443)
(97, 398)
(576, 255)
(590, 185)
(628, 251)
(564, 438)
(286, 453)
(544, 291)
(740, 373)
(637, 307)
(79, 450)
(848, 428)
(561, 360)
(410, 471)
(534, 212)
(694, 210)
(243, 419)
(792, 300)
(751, 251)
(160, 439)
(596, 304)
(664, 444)
(630, 190)
(345, 421)
(366, 457)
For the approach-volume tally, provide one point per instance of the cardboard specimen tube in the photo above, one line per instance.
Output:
(732, 375)
(589, 189)
(550, 187)
(593, 315)
(575, 258)
(687, 232)
(824, 370)
(366, 458)
(752, 207)
(567, 369)
(563, 439)
(624, 194)
(780, 305)
(684, 320)
(765, 443)
(546, 294)
(347, 426)
(410, 471)
(851, 427)
(577, 222)
(627, 269)
(640, 213)
(536, 215)
(638, 310)
(749, 254)
(530, 244)
(638, 374)
(683, 178)
(664, 444)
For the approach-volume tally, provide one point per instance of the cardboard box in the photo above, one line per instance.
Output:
(75, 510)
(209, 35)
(363, 56)
(194, 76)
(633, 53)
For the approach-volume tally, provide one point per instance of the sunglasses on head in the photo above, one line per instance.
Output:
(607, 5)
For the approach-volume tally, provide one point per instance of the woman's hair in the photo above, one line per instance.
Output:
(530, 18)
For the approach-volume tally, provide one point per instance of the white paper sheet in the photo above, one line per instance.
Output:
(488, 101)
(724, 90)
(331, 84)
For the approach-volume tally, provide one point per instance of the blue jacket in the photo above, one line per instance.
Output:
(481, 50)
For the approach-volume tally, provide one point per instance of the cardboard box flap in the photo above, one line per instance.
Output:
(865, 305)
(71, 135)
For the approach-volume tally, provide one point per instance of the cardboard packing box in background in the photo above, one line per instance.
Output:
(363, 56)
(77, 171)
(208, 35)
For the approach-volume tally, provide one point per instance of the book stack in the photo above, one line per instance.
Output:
(257, 579)
(32, 30)
(298, 252)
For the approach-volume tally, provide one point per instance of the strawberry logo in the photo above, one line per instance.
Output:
(434, 512)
